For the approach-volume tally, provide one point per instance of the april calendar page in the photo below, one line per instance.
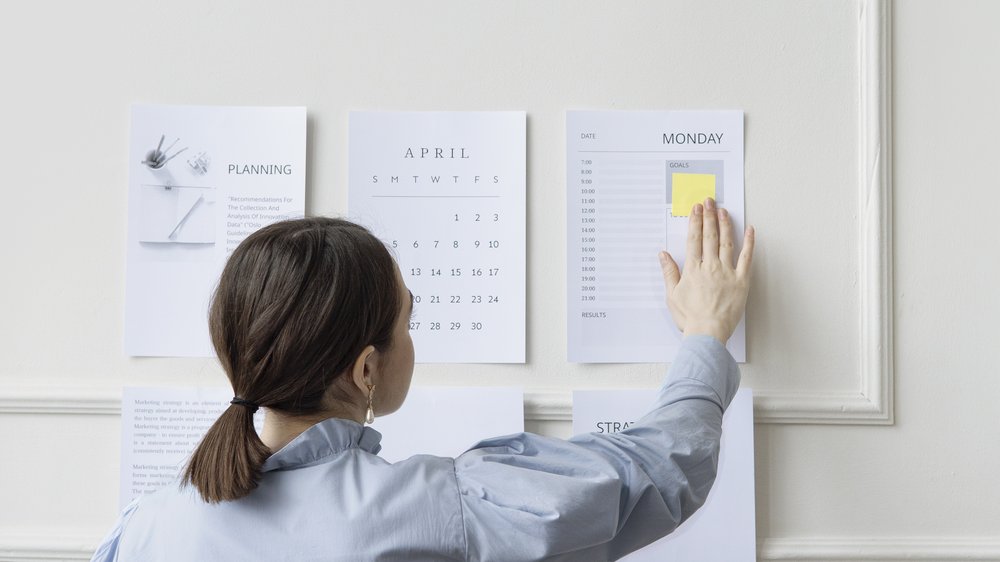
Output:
(446, 192)
(632, 178)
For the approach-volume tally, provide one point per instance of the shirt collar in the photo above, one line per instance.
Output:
(321, 442)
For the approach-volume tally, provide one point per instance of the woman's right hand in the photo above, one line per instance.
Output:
(710, 296)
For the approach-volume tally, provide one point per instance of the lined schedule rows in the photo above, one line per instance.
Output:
(621, 228)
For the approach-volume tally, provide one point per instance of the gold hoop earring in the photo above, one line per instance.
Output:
(370, 414)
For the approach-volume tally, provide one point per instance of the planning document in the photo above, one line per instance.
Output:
(445, 191)
(632, 178)
(723, 529)
(201, 179)
(162, 426)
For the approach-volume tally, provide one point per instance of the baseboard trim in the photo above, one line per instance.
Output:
(939, 549)
(54, 545)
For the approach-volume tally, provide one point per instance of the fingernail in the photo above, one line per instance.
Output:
(724, 213)
(697, 209)
(710, 204)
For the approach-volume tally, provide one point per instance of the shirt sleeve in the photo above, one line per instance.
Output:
(601, 496)
(108, 550)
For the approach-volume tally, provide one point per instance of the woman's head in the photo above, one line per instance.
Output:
(307, 312)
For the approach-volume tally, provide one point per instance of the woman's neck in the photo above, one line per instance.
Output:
(280, 428)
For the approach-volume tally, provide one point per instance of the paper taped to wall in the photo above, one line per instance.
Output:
(632, 179)
(446, 191)
(723, 530)
(162, 426)
(201, 179)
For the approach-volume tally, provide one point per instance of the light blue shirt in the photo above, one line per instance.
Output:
(328, 496)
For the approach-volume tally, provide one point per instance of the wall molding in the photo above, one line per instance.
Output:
(89, 400)
(831, 549)
(876, 209)
(546, 406)
(60, 544)
(54, 544)
(873, 402)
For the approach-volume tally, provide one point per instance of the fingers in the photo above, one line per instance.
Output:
(726, 245)
(710, 232)
(671, 273)
(746, 255)
(694, 244)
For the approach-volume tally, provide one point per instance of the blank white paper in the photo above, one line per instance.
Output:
(446, 421)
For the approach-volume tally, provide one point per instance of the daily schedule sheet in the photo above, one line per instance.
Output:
(632, 178)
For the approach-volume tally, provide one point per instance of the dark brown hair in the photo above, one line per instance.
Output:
(297, 302)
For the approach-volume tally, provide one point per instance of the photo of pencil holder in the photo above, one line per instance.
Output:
(172, 213)
(156, 161)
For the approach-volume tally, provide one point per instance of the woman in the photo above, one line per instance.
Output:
(310, 321)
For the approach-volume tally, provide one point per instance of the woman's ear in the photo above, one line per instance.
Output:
(364, 368)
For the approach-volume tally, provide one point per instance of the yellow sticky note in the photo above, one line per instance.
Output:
(689, 190)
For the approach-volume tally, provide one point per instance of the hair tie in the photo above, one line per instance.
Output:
(246, 403)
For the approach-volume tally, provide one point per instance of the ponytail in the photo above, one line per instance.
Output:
(226, 465)
(296, 303)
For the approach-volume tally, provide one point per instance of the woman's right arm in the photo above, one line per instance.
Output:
(600, 496)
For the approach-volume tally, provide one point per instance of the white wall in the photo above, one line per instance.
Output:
(846, 484)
